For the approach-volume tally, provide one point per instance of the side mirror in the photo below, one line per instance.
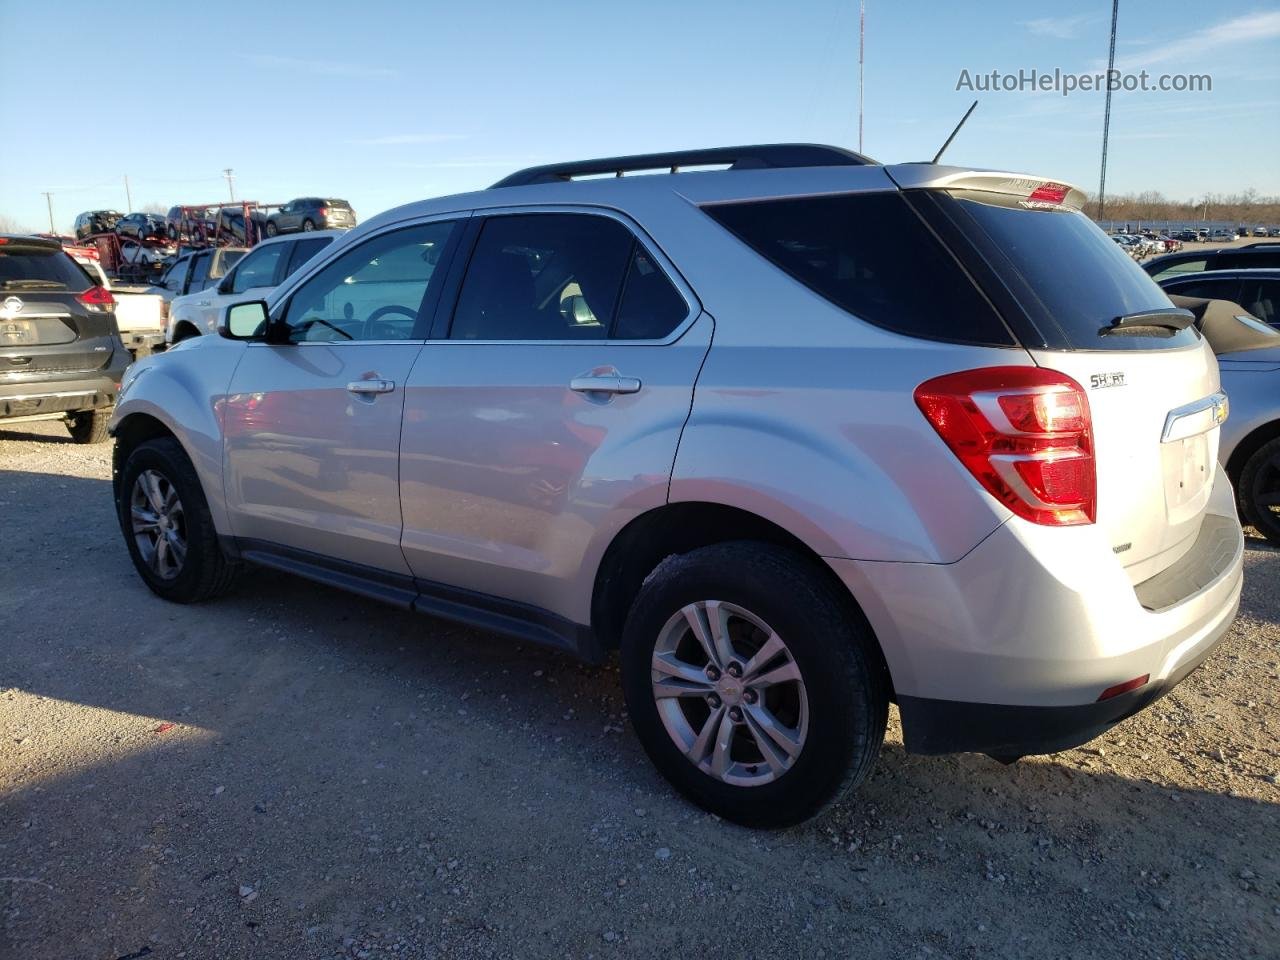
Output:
(244, 321)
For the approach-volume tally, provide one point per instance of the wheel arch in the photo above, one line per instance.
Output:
(676, 528)
(1248, 446)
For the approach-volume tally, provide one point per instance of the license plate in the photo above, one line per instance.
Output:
(15, 331)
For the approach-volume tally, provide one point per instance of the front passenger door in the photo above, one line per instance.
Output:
(312, 421)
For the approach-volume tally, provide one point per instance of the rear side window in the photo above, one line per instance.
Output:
(1229, 260)
(200, 268)
(871, 255)
(40, 268)
(259, 268)
(1068, 276)
(1211, 289)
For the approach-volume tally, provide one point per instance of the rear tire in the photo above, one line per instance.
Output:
(1260, 483)
(89, 426)
(308, 225)
(169, 487)
(765, 594)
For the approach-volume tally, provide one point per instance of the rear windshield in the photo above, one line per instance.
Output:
(336, 203)
(871, 255)
(1071, 279)
(40, 268)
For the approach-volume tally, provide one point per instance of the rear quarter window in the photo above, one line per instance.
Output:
(871, 255)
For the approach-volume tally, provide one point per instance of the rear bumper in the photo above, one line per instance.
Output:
(1007, 650)
(40, 396)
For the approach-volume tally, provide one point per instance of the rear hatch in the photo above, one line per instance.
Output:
(339, 211)
(1082, 307)
(54, 321)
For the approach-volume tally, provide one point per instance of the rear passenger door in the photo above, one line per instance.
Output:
(546, 410)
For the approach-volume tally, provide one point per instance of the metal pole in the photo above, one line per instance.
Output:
(230, 177)
(1106, 117)
(128, 196)
(862, 44)
(48, 199)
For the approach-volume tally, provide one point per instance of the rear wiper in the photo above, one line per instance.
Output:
(1177, 319)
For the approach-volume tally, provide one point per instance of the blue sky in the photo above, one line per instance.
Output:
(383, 102)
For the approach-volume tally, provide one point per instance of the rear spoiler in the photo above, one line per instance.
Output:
(1015, 189)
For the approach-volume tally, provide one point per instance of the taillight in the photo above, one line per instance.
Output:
(324, 211)
(97, 299)
(1024, 433)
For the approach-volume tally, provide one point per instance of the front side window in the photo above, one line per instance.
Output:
(200, 268)
(377, 290)
(303, 251)
(563, 276)
(258, 269)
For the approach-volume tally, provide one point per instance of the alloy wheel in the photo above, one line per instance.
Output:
(729, 693)
(159, 524)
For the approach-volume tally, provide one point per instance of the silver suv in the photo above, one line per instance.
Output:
(798, 437)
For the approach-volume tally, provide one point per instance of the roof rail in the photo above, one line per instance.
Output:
(757, 157)
(1259, 243)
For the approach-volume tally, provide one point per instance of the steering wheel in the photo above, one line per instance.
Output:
(370, 325)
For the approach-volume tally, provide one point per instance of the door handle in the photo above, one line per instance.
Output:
(365, 387)
(608, 383)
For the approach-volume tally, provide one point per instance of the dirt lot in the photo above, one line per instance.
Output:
(345, 780)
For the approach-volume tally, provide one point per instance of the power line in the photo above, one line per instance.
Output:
(1106, 117)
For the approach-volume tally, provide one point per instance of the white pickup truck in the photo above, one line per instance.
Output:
(140, 315)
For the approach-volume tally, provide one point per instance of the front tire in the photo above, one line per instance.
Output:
(89, 426)
(167, 526)
(1258, 494)
(753, 685)
(272, 229)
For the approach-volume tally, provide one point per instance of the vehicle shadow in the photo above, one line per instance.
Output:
(17, 432)
(375, 774)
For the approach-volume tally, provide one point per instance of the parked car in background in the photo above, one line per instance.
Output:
(1226, 258)
(1186, 236)
(142, 226)
(1257, 291)
(229, 222)
(60, 352)
(980, 486)
(196, 270)
(254, 274)
(1223, 236)
(185, 222)
(311, 213)
(96, 221)
(140, 313)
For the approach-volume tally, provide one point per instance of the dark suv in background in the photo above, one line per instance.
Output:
(1249, 256)
(311, 213)
(96, 221)
(60, 352)
(142, 226)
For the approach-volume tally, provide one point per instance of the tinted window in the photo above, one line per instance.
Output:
(229, 259)
(258, 269)
(173, 277)
(547, 276)
(200, 268)
(375, 291)
(872, 256)
(1262, 299)
(1068, 276)
(40, 268)
(1218, 289)
(1181, 266)
(651, 307)
(1240, 259)
(303, 251)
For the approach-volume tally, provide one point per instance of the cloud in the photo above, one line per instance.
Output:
(1195, 46)
(399, 139)
(299, 65)
(1059, 28)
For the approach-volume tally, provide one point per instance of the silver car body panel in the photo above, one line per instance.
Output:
(501, 479)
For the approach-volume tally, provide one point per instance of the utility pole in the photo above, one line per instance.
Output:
(128, 196)
(862, 45)
(48, 199)
(1106, 117)
(229, 175)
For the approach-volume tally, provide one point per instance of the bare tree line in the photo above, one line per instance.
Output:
(1246, 208)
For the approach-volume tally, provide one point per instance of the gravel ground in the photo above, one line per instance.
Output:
(293, 772)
